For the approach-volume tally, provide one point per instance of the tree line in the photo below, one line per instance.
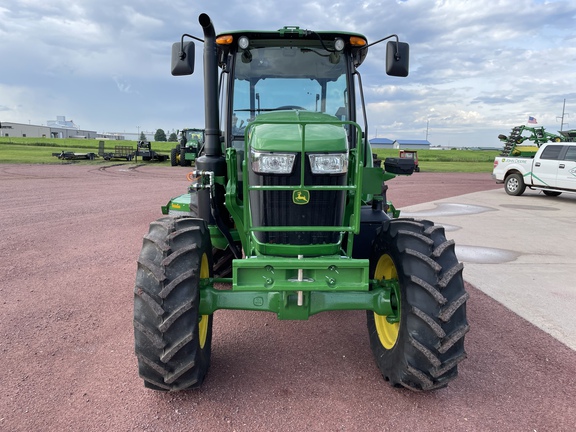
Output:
(160, 135)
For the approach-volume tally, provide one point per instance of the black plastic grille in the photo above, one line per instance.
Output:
(276, 208)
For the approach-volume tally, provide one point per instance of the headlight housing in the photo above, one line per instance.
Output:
(331, 163)
(243, 42)
(272, 163)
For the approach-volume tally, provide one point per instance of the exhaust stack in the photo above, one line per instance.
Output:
(212, 159)
(212, 147)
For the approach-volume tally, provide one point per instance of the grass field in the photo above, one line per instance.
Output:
(450, 160)
(39, 151)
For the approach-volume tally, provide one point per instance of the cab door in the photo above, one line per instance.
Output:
(545, 169)
(567, 169)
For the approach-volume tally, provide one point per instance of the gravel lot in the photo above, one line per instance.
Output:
(70, 237)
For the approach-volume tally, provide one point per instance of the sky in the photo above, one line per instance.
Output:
(477, 68)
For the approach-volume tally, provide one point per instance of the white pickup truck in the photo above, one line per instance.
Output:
(551, 170)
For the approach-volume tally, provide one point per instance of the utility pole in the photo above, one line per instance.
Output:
(427, 124)
(562, 117)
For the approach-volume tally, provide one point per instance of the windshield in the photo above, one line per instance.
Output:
(275, 78)
(194, 135)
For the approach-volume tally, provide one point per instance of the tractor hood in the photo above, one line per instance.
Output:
(284, 131)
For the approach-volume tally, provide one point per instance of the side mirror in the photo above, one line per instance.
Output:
(183, 58)
(397, 58)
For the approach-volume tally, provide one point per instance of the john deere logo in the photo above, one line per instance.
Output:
(301, 197)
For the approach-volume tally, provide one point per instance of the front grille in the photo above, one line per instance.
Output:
(276, 208)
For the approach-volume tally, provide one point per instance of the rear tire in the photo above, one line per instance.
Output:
(172, 341)
(514, 184)
(173, 156)
(422, 349)
(551, 193)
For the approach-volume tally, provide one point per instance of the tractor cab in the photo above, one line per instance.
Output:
(300, 73)
(293, 71)
(192, 136)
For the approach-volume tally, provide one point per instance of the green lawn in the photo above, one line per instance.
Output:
(39, 150)
(450, 160)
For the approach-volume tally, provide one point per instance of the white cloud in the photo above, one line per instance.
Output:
(476, 67)
(123, 85)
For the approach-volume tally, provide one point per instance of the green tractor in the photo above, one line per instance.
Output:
(287, 213)
(188, 147)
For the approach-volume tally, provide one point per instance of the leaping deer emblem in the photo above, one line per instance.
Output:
(301, 197)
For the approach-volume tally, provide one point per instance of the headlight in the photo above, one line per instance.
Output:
(272, 163)
(336, 163)
(243, 42)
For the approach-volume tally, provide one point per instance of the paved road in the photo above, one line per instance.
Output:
(70, 235)
(518, 250)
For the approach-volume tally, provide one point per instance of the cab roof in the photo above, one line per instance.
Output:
(295, 36)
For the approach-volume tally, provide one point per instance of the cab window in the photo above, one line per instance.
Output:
(552, 152)
(571, 154)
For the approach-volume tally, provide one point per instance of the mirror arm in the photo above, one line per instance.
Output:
(397, 54)
(182, 54)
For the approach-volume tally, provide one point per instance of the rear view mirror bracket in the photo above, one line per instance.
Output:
(397, 56)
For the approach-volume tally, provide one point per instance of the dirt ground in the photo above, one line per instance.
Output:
(70, 236)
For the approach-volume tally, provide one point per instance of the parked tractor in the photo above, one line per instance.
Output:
(188, 147)
(288, 210)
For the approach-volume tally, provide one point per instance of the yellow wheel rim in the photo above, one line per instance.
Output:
(203, 324)
(387, 332)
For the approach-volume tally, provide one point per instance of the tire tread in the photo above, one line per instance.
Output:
(433, 322)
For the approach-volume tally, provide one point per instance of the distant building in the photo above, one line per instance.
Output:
(381, 143)
(110, 136)
(403, 144)
(61, 128)
(61, 123)
(412, 144)
(9, 129)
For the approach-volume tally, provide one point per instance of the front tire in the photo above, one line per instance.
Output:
(421, 344)
(172, 340)
(514, 184)
(222, 258)
(183, 161)
(551, 193)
